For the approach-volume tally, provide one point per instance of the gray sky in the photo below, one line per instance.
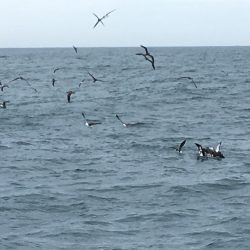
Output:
(62, 23)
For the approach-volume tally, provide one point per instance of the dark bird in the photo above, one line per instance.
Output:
(123, 123)
(99, 20)
(75, 49)
(69, 93)
(53, 82)
(128, 124)
(209, 151)
(90, 123)
(147, 56)
(3, 86)
(95, 79)
(56, 69)
(180, 146)
(189, 78)
(23, 79)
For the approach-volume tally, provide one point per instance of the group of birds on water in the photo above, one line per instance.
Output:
(203, 152)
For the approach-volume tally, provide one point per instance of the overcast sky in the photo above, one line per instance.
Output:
(62, 23)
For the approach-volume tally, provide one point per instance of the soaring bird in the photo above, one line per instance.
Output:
(189, 78)
(23, 79)
(147, 56)
(95, 79)
(90, 123)
(128, 124)
(80, 83)
(99, 20)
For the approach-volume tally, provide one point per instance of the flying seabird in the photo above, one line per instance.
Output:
(23, 79)
(56, 69)
(180, 146)
(75, 49)
(79, 85)
(190, 78)
(69, 93)
(209, 151)
(95, 79)
(123, 123)
(90, 123)
(147, 56)
(128, 124)
(100, 19)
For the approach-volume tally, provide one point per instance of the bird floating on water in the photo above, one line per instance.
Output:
(53, 82)
(209, 151)
(69, 93)
(147, 56)
(3, 104)
(99, 20)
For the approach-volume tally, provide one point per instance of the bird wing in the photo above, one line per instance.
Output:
(193, 82)
(17, 78)
(92, 76)
(217, 149)
(182, 144)
(96, 24)
(146, 49)
(106, 15)
(94, 123)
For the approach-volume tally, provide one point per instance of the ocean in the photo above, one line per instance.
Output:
(68, 186)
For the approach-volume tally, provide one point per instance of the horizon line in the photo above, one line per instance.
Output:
(152, 46)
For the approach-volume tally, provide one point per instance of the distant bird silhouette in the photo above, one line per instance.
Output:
(3, 86)
(56, 69)
(99, 20)
(189, 78)
(23, 79)
(90, 123)
(53, 82)
(95, 79)
(75, 49)
(128, 124)
(178, 148)
(147, 56)
(69, 93)
(82, 81)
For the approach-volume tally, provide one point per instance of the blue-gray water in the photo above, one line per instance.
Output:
(64, 185)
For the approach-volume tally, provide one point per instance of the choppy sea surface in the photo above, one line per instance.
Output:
(64, 185)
